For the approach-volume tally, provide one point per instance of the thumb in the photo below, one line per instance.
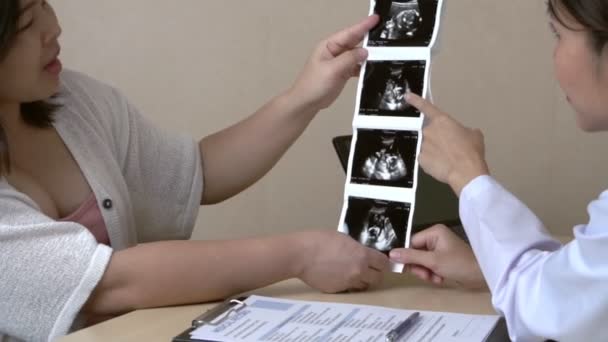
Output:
(346, 64)
(424, 239)
(408, 256)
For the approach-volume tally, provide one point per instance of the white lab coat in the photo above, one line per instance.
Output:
(544, 290)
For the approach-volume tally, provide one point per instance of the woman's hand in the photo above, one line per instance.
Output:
(334, 61)
(438, 255)
(451, 153)
(334, 262)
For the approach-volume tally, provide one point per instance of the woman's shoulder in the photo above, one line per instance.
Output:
(79, 88)
(70, 78)
(94, 102)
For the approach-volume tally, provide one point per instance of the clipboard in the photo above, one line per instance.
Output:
(213, 316)
(222, 311)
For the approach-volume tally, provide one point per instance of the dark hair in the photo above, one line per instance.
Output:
(591, 14)
(38, 113)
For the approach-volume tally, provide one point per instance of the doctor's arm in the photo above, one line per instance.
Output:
(544, 289)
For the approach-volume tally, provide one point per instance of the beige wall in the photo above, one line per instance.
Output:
(199, 65)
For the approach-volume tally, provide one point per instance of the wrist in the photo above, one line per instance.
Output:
(300, 104)
(458, 181)
(302, 247)
(478, 282)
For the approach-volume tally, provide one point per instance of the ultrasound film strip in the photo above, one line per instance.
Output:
(381, 182)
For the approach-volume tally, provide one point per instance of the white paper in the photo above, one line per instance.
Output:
(382, 175)
(271, 319)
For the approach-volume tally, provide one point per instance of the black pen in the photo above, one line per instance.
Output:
(400, 330)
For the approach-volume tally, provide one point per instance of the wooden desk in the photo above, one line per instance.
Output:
(398, 291)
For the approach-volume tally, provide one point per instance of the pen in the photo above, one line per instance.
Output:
(400, 330)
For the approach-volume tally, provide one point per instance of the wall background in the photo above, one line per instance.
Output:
(197, 66)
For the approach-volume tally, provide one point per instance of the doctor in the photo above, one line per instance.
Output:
(544, 289)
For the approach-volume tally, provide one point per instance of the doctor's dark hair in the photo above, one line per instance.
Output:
(591, 14)
(38, 113)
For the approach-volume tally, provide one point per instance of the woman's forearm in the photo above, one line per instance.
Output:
(180, 272)
(237, 157)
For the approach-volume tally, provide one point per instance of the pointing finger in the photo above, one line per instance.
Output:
(426, 107)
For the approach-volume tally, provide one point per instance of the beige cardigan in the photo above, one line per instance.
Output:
(148, 185)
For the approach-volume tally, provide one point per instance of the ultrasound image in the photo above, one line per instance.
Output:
(405, 23)
(381, 225)
(385, 158)
(385, 85)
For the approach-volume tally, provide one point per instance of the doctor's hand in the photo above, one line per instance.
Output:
(451, 153)
(438, 255)
(333, 62)
(334, 262)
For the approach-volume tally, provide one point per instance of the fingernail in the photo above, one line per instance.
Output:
(408, 96)
(363, 54)
(395, 255)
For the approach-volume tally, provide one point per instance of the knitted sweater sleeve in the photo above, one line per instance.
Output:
(48, 269)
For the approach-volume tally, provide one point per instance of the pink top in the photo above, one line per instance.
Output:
(89, 215)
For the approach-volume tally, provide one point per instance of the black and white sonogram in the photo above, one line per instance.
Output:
(385, 85)
(404, 23)
(381, 225)
(385, 158)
